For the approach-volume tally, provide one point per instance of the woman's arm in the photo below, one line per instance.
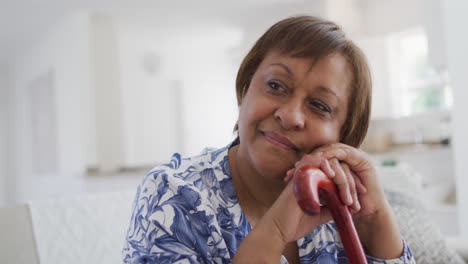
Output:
(262, 245)
(284, 222)
(380, 234)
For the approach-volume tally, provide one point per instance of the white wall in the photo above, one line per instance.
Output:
(392, 16)
(159, 90)
(374, 48)
(65, 51)
(3, 134)
(455, 21)
(209, 98)
(399, 15)
(193, 58)
(104, 96)
(348, 14)
(104, 121)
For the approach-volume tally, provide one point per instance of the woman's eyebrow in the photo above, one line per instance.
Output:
(285, 67)
(325, 89)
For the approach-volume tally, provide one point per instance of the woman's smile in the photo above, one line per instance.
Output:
(280, 141)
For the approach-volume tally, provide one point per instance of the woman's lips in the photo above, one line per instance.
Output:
(280, 141)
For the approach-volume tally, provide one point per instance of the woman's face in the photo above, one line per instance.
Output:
(292, 106)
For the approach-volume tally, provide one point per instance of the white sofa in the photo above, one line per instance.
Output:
(81, 229)
(91, 228)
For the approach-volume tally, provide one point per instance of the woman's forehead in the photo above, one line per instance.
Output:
(311, 60)
(335, 65)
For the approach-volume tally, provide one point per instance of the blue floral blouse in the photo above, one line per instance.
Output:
(187, 211)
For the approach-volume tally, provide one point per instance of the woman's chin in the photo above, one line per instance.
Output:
(275, 171)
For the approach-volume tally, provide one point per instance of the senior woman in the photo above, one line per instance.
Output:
(304, 96)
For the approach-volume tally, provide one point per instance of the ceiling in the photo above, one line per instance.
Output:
(24, 21)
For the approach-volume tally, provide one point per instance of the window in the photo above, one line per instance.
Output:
(416, 86)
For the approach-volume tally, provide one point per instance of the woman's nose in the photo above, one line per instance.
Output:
(291, 116)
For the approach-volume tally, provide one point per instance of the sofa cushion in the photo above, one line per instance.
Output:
(82, 229)
(403, 188)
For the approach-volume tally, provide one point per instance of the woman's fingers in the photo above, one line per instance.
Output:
(349, 184)
(317, 160)
(359, 185)
(327, 169)
(352, 186)
(342, 182)
(357, 159)
(289, 175)
(359, 163)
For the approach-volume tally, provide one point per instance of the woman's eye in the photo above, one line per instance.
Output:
(321, 107)
(276, 86)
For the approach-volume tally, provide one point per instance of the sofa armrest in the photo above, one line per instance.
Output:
(17, 243)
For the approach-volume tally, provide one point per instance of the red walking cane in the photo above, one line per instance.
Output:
(311, 185)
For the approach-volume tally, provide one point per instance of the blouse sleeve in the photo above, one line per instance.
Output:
(405, 258)
(162, 223)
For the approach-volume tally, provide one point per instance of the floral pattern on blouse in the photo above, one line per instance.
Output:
(186, 211)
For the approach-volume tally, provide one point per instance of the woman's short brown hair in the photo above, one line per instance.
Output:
(315, 38)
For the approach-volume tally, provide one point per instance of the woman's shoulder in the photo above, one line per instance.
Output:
(194, 171)
(195, 183)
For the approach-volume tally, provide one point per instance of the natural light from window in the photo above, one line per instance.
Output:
(419, 87)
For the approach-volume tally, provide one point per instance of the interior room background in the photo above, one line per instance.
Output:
(93, 95)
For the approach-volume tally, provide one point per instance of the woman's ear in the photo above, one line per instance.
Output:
(236, 127)
(244, 91)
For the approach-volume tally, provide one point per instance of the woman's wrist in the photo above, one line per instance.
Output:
(380, 235)
(264, 244)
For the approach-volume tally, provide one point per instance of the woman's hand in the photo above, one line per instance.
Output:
(285, 214)
(359, 187)
(288, 219)
(355, 177)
